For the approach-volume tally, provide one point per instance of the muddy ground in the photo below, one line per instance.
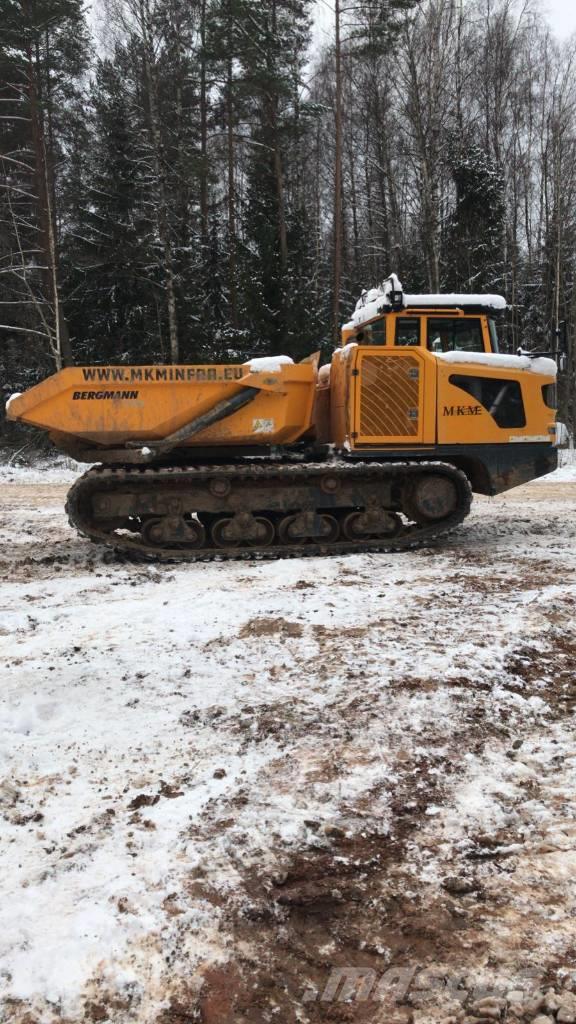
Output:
(336, 789)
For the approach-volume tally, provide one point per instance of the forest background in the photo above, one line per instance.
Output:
(207, 180)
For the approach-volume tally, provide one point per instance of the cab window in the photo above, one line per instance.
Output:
(408, 332)
(501, 398)
(372, 334)
(493, 336)
(449, 335)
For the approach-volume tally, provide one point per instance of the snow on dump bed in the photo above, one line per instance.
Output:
(499, 361)
(270, 364)
(17, 394)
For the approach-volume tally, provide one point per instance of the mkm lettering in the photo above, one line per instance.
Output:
(462, 410)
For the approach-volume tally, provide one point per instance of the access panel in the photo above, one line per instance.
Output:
(389, 397)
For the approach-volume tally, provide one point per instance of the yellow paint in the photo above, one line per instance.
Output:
(481, 428)
(399, 387)
(132, 407)
(363, 398)
(379, 395)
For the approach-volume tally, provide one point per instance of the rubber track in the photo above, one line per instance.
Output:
(99, 477)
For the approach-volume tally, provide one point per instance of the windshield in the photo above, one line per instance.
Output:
(457, 333)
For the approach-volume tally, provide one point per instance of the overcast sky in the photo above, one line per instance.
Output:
(561, 15)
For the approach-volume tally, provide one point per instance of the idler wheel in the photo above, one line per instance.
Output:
(431, 497)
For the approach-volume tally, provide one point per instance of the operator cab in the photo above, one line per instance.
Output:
(439, 323)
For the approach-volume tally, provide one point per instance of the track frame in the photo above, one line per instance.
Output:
(105, 499)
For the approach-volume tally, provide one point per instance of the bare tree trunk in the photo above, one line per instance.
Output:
(559, 218)
(203, 130)
(278, 170)
(59, 340)
(369, 215)
(422, 106)
(377, 136)
(358, 270)
(282, 233)
(317, 212)
(162, 207)
(337, 255)
(231, 199)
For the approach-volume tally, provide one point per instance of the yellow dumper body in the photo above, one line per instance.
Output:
(111, 405)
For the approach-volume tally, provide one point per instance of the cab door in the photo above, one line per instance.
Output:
(394, 396)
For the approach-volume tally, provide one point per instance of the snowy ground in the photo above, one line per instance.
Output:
(221, 782)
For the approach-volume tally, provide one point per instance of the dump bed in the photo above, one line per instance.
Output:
(117, 405)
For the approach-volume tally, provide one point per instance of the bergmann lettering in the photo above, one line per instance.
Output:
(114, 396)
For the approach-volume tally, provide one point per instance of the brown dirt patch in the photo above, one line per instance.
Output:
(270, 627)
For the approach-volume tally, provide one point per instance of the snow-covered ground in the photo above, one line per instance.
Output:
(221, 782)
(59, 470)
(566, 472)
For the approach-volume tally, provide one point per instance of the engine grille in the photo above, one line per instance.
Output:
(389, 396)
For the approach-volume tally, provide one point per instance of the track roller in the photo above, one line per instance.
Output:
(308, 526)
(244, 528)
(166, 530)
(371, 523)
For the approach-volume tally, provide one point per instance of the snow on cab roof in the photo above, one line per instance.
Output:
(502, 361)
(390, 296)
(461, 300)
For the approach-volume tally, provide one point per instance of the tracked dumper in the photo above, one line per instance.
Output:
(378, 451)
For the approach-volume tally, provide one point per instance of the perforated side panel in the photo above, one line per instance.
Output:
(389, 392)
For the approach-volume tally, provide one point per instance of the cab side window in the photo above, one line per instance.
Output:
(372, 334)
(408, 332)
(460, 335)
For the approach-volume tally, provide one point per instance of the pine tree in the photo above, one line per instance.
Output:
(277, 236)
(475, 235)
(113, 256)
(144, 259)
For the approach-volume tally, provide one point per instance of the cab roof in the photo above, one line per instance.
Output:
(390, 297)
